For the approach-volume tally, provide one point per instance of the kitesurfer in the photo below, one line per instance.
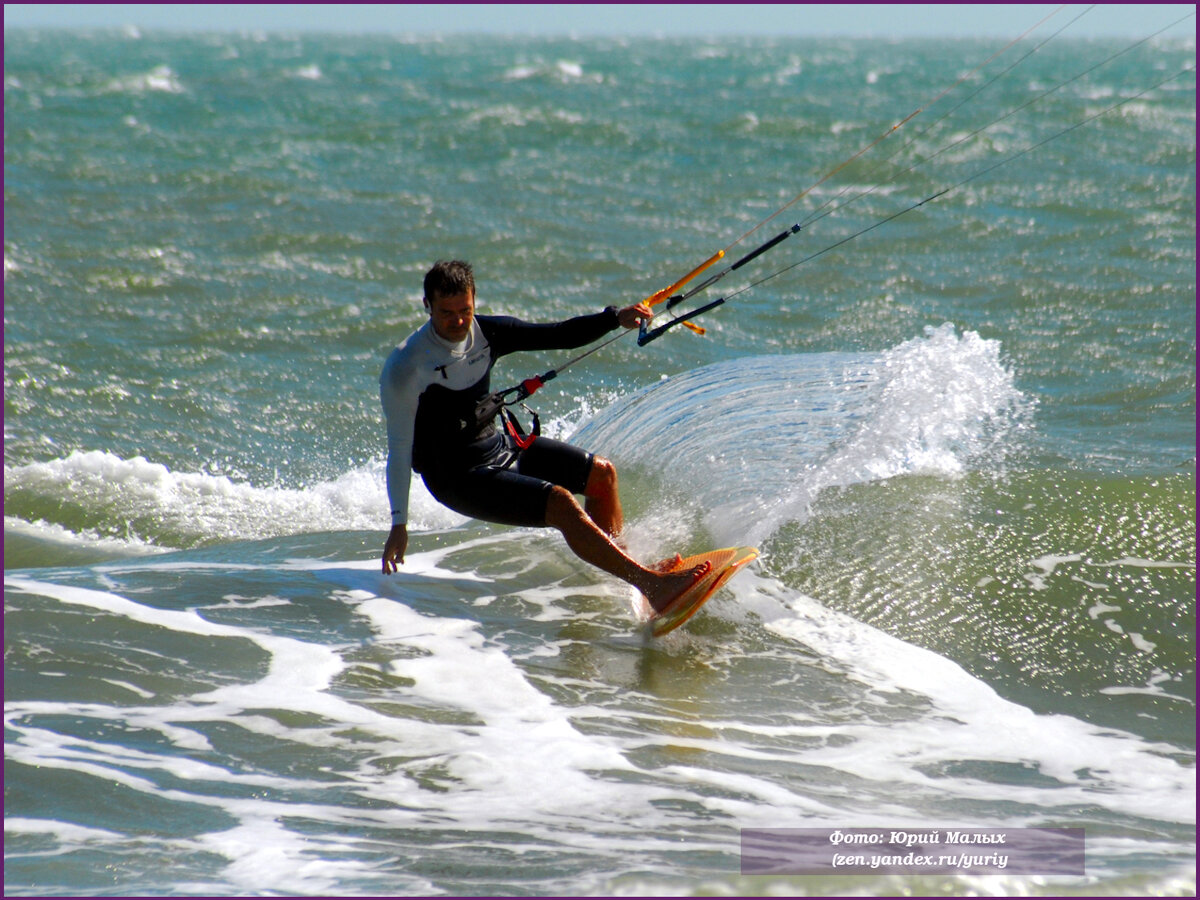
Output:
(431, 386)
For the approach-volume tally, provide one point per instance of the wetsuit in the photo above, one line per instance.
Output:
(429, 388)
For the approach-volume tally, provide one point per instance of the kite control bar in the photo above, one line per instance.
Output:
(646, 336)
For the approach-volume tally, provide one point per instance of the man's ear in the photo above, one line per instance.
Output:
(425, 300)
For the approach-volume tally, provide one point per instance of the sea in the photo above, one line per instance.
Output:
(955, 412)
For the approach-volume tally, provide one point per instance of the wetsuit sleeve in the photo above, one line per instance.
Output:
(400, 395)
(510, 335)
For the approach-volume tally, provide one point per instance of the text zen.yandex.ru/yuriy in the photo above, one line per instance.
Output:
(963, 851)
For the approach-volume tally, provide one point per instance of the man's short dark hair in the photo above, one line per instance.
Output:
(448, 278)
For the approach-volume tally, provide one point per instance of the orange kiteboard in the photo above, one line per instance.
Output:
(725, 564)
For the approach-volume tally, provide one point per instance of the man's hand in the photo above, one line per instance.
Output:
(393, 550)
(632, 316)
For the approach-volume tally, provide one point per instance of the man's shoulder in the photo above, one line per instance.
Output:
(501, 331)
(492, 322)
(400, 361)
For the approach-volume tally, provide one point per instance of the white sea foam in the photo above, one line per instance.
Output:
(161, 508)
(310, 72)
(970, 722)
(298, 678)
(563, 71)
(159, 79)
(63, 831)
(517, 761)
(52, 533)
(496, 752)
(525, 757)
(938, 403)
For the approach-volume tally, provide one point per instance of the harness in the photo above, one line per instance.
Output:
(499, 403)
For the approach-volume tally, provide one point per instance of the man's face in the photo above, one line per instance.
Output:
(452, 316)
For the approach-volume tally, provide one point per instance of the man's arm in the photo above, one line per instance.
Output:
(399, 397)
(510, 335)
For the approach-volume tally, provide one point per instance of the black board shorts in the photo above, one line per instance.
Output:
(516, 493)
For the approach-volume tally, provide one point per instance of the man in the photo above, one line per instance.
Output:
(430, 387)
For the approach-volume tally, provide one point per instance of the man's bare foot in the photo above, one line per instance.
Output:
(668, 587)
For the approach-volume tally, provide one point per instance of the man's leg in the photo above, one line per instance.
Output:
(579, 472)
(587, 541)
(603, 501)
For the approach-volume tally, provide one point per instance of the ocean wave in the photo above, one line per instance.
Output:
(466, 723)
(138, 504)
(160, 79)
(753, 440)
(756, 440)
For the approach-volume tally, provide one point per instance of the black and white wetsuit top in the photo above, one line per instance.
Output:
(429, 388)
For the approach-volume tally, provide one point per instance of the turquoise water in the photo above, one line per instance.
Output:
(964, 442)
